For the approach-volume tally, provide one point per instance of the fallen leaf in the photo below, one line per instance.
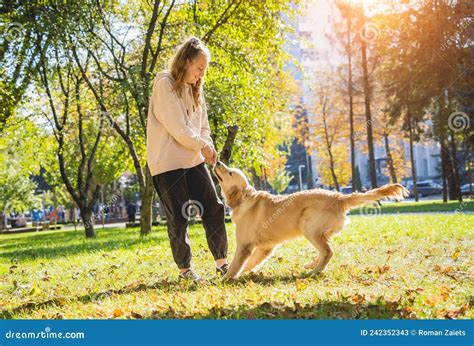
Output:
(383, 269)
(454, 313)
(448, 270)
(445, 291)
(358, 298)
(118, 312)
(300, 285)
(407, 312)
(136, 315)
(99, 312)
(431, 301)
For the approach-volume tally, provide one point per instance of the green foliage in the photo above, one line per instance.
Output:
(21, 154)
(245, 85)
(17, 192)
(280, 181)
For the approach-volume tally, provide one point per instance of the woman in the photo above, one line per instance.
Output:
(178, 144)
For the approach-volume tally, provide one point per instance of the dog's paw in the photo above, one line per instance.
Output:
(316, 272)
(311, 265)
(227, 277)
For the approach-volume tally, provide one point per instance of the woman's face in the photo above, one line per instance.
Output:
(196, 69)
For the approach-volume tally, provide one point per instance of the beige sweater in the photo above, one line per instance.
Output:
(177, 129)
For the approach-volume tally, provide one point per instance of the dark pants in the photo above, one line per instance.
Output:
(185, 193)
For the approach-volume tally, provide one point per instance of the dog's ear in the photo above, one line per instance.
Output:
(234, 197)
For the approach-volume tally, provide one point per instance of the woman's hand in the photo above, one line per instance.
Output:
(214, 157)
(210, 154)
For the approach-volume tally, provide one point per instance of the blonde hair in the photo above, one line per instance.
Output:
(188, 51)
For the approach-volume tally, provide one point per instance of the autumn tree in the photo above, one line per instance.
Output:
(329, 132)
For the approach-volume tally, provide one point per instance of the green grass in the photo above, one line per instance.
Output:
(417, 207)
(384, 267)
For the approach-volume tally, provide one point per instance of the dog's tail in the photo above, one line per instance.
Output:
(355, 199)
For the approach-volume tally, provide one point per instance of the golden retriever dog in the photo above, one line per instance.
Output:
(264, 221)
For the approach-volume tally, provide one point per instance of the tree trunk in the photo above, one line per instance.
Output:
(3, 221)
(469, 168)
(391, 168)
(146, 207)
(444, 167)
(355, 182)
(256, 180)
(229, 143)
(265, 181)
(412, 157)
(309, 172)
(456, 187)
(87, 220)
(333, 173)
(328, 148)
(450, 177)
(368, 116)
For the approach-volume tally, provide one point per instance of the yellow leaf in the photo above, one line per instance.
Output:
(383, 269)
(445, 291)
(118, 312)
(358, 298)
(300, 285)
(448, 270)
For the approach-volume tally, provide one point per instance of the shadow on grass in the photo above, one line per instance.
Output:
(343, 308)
(91, 297)
(267, 310)
(59, 244)
(325, 309)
